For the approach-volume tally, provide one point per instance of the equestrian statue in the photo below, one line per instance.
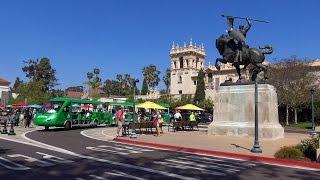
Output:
(233, 49)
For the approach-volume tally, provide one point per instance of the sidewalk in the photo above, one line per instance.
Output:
(19, 131)
(200, 140)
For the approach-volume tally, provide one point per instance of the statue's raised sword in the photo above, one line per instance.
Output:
(236, 17)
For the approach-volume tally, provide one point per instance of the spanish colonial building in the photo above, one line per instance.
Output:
(4, 91)
(187, 61)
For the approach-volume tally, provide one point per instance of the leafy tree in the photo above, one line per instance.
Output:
(32, 92)
(75, 88)
(122, 86)
(144, 89)
(16, 84)
(163, 91)
(166, 79)
(41, 71)
(151, 75)
(293, 80)
(94, 81)
(56, 93)
(200, 89)
(42, 79)
(207, 104)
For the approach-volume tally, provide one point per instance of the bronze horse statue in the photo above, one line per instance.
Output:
(227, 48)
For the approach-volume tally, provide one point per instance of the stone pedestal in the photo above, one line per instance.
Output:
(234, 112)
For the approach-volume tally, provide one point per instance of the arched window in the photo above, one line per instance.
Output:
(180, 79)
(181, 62)
(210, 77)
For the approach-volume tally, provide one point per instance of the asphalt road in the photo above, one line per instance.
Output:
(73, 156)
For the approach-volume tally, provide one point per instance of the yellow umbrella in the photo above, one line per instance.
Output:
(190, 107)
(150, 105)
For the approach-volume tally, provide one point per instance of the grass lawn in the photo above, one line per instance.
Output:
(300, 125)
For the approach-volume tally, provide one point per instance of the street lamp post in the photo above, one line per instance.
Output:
(256, 147)
(312, 110)
(133, 133)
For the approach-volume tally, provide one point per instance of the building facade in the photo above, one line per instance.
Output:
(187, 61)
(4, 91)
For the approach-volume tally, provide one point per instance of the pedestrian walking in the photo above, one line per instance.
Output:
(119, 116)
(16, 117)
(156, 122)
(27, 117)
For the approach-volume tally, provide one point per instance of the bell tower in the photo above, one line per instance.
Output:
(186, 61)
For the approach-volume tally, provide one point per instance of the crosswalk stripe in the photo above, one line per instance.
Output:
(120, 149)
(189, 163)
(211, 163)
(134, 148)
(106, 150)
(173, 165)
(243, 163)
(97, 177)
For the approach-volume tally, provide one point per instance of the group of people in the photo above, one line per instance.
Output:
(178, 117)
(16, 116)
(155, 115)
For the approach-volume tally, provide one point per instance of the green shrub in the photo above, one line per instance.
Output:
(309, 148)
(289, 152)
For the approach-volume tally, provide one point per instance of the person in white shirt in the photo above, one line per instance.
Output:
(177, 116)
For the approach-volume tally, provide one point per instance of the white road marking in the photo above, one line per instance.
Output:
(97, 177)
(116, 142)
(193, 164)
(119, 149)
(122, 174)
(184, 167)
(100, 139)
(106, 150)
(125, 148)
(210, 163)
(15, 167)
(134, 148)
(54, 158)
(40, 163)
(61, 150)
(243, 162)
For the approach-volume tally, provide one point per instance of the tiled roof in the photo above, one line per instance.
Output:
(4, 82)
(74, 94)
(95, 91)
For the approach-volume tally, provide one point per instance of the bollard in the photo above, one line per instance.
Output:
(4, 130)
(11, 132)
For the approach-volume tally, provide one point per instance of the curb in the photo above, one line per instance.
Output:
(260, 159)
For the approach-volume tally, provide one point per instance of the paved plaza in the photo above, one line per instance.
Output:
(200, 140)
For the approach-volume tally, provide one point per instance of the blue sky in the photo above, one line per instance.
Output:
(122, 36)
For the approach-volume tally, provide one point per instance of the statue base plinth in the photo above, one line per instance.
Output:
(234, 112)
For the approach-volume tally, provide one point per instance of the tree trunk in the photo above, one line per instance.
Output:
(295, 116)
(287, 115)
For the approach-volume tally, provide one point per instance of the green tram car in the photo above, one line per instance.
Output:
(70, 112)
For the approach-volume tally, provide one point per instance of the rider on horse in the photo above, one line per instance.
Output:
(239, 36)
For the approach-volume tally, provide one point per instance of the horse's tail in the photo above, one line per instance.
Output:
(267, 49)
